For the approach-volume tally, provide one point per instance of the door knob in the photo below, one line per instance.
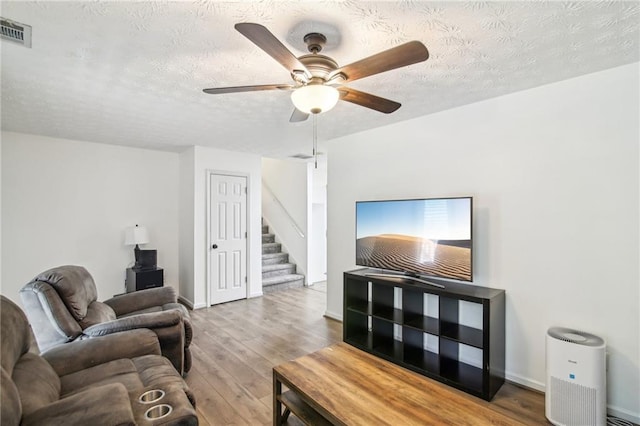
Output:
(215, 246)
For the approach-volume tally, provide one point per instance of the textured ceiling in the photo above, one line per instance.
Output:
(132, 73)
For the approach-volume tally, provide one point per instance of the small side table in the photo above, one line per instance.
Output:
(142, 279)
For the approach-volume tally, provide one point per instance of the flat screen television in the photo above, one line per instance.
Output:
(418, 238)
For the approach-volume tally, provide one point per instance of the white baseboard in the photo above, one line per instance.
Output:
(525, 381)
(623, 414)
(257, 294)
(188, 303)
(337, 317)
(538, 386)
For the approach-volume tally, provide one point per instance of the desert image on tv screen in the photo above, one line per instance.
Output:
(427, 237)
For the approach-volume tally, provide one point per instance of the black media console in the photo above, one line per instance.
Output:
(400, 335)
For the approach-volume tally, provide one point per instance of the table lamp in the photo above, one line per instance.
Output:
(136, 235)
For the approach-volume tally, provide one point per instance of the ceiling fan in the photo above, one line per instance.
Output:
(318, 80)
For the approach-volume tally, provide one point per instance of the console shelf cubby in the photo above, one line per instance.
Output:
(387, 316)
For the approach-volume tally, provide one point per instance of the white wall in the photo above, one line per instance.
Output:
(69, 202)
(187, 237)
(554, 176)
(0, 214)
(195, 165)
(289, 182)
(318, 226)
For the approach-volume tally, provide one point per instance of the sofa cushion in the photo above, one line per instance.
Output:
(75, 286)
(119, 371)
(88, 353)
(37, 383)
(143, 372)
(97, 313)
(109, 405)
(15, 334)
(10, 409)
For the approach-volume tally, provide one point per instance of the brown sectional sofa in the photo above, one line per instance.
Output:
(97, 381)
(62, 306)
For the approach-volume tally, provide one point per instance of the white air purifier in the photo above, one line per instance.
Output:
(576, 390)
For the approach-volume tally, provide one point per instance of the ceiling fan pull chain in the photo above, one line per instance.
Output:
(315, 140)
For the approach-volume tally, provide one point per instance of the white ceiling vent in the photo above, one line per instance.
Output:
(16, 32)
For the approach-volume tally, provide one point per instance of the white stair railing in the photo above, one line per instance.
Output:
(278, 203)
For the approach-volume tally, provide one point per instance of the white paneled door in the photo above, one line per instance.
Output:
(227, 238)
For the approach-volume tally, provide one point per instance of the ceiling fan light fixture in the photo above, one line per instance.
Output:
(315, 98)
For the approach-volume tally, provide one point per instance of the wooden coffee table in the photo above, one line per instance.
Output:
(342, 385)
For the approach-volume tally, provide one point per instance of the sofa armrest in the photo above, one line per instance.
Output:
(107, 404)
(81, 354)
(143, 299)
(152, 320)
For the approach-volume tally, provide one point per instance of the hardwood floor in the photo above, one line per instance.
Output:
(236, 345)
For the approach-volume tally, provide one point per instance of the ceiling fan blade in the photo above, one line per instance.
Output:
(220, 90)
(298, 116)
(368, 100)
(266, 41)
(396, 57)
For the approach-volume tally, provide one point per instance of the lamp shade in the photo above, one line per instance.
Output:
(315, 98)
(136, 235)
